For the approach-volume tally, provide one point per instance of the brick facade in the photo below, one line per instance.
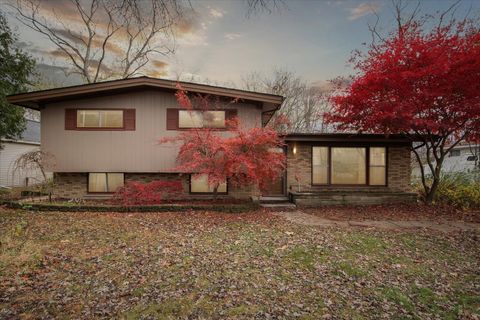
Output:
(299, 166)
(75, 185)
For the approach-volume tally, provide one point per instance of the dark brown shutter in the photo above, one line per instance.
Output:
(70, 119)
(230, 114)
(129, 119)
(172, 119)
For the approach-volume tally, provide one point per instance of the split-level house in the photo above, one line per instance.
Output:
(104, 134)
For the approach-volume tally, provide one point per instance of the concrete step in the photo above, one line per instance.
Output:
(273, 200)
(278, 205)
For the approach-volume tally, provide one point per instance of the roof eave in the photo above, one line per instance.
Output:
(33, 100)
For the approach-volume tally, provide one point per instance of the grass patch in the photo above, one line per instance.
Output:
(400, 299)
(170, 309)
(301, 257)
(215, 266)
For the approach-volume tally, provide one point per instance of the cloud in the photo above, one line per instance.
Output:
(159, 64)
(233, 36)
(363, 9)
(216, 13)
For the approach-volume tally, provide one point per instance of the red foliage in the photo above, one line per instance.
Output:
(244, 156)
(137, 193)
(416, 82)
(421, 84)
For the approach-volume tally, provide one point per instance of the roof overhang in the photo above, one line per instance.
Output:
(36, 99)
(349, 138)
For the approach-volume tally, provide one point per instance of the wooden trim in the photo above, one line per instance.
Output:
(367, 138)
(37, 97)
(206, 193)
(367, 184)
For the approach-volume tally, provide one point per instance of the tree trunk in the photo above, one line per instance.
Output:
(429, 196)
(215, 192)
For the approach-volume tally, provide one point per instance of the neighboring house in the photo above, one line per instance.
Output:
(105, 134)
(12, 149)
(462, 158)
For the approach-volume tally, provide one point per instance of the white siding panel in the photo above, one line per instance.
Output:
(10, 152)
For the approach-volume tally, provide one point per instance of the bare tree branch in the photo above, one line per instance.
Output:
(114, 39)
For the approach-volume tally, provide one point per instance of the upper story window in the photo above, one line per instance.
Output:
(201, 119)
(99, 118)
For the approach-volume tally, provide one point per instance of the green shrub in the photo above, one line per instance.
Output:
(460, 189)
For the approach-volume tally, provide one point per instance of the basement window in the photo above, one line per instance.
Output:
(105, 182)
(199, 184)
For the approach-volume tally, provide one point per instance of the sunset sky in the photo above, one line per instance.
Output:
(312, 38)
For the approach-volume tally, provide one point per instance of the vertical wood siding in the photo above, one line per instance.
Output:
(120, 151)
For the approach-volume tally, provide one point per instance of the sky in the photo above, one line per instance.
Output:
(223, 43)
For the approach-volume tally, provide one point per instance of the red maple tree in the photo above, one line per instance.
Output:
(138, 193)
(243, 156)
(424, 84)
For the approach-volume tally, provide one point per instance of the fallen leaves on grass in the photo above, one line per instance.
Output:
(238, 266)
(395, 212)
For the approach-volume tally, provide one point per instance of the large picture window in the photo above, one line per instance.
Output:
(99, 118)
(199, 184)
(349, 165)
(201, 119)
(105, 182)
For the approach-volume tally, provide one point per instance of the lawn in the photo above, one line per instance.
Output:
(237, 266)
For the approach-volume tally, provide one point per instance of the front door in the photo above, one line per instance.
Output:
(275, 188)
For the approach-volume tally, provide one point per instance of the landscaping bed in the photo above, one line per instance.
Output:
(99, 206)
(207, 265)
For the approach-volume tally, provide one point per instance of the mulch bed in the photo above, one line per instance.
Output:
(395, 212)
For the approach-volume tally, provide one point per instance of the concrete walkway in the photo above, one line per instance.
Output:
(300, 217)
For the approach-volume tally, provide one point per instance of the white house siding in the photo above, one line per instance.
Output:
(10, 152)
(455, 162)
(458, 162)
